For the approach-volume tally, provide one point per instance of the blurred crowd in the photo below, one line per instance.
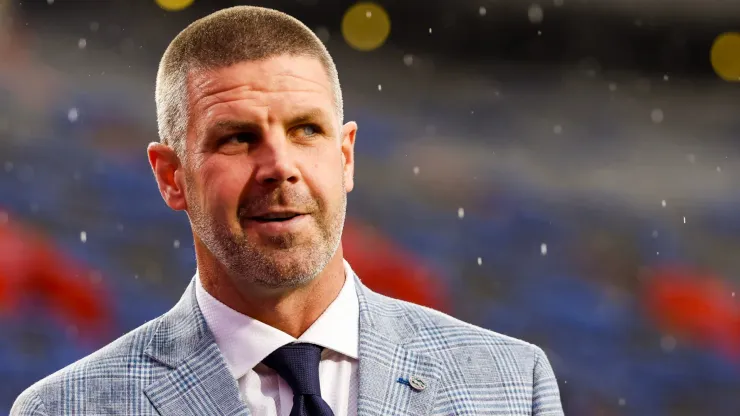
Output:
(590, 213)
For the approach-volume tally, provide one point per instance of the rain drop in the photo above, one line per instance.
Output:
(430, 30)
(657, 115)
(460, 213)
(416, 170)
(663, 203)
(543, 249)
(691, 158)
(622, 402)
(408, 59)
(368, 14)
(176, 244)
(684, 220)
(668, 343)
(557, 129)
(612, 87)
(719, 169)
(73, 115)
(82, 43)
(482, 11)
(380, 87)
(480, 261)
(535, 13)
(50, 1)
(83, 236)
(665, 77)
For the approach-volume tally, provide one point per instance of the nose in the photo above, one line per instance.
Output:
(275, 160)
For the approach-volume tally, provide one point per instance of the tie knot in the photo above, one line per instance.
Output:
(298, 365)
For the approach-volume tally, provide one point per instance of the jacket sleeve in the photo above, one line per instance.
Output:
(545, 392)
(28, 404)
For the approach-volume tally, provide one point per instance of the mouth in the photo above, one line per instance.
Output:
(275, 217)
(274, 224)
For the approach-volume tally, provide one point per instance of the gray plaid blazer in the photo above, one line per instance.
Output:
(171, 366)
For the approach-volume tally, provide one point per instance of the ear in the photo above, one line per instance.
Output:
(169, 175)
(349, 132)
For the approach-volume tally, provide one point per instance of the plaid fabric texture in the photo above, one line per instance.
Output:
(171, 366)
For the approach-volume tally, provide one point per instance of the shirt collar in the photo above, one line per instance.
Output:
(245, 342)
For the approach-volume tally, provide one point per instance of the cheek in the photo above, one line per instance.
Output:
(328, 178)
(223, 184)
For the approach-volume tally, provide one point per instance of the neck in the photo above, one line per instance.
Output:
(291, 310)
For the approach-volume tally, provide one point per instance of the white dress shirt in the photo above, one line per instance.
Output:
(245, 342)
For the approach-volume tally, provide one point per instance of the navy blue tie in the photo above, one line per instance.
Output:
(298, 365)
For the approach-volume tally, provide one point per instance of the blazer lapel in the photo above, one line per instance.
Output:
(199, 382)
(393, 378)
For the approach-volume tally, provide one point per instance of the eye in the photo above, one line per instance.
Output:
(308, 130)
(240, 138)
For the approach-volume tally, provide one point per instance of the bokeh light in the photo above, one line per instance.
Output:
(174, 5)
(725, 56)
(366, 26)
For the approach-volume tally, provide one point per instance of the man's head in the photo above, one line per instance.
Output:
(253, 147)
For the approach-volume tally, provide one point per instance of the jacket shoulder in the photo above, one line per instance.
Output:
(437, 333)
(28, 404)
(475, 363)
(113, 361)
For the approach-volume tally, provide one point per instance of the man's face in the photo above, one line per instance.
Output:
(268, 169)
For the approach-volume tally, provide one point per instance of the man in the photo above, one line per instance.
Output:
(275, 322)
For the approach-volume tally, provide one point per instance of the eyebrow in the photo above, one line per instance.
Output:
(312, 115)
(235, 125)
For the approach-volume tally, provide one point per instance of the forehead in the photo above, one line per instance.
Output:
(281, 84)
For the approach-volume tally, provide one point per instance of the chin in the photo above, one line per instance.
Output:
(297, 265)
(286, 282)
(287, 273)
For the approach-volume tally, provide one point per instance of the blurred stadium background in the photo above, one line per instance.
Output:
(562, 171)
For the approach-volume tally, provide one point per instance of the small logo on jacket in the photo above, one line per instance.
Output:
(414, 382)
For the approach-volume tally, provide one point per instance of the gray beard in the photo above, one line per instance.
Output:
(246, 262)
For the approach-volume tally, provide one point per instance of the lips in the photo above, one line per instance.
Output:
(277, 223)
(275, 216)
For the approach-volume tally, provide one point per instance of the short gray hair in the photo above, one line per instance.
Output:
(224, 38)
